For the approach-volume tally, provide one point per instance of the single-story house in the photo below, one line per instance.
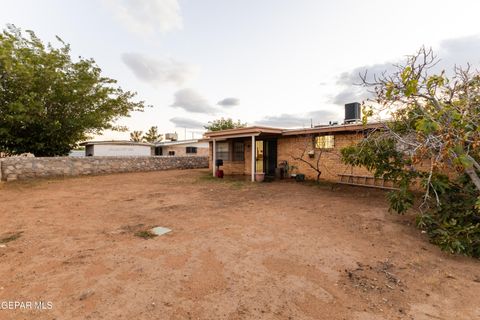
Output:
(117, 148)
(192, 147)
(259, 149)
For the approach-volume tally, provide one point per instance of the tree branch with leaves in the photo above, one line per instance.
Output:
(224, 124)
(48, 102)
(136, 136)
(430, 134)
(152, 135)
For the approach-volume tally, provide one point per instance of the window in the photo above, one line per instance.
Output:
(238, 151)
(222, 151)
(191, 149)
(325, 142)
(171, 153)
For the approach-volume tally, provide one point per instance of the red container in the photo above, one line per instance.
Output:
(219, 173)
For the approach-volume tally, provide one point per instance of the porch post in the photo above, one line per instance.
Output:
(254, 156)
(214, 157)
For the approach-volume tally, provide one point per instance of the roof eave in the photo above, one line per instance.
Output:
(245, 131)
(326, 129)
(129, 143)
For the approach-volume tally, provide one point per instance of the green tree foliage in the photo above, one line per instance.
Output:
(431, 142)
(48, 103)
(136, 136)
(223, 124)
(152, 135)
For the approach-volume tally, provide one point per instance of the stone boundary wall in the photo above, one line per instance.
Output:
(28, 168)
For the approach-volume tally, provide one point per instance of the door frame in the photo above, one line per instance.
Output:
(269, 145)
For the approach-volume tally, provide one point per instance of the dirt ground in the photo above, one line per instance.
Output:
(237, 250)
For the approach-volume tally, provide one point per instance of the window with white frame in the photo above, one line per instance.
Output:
(325, 142)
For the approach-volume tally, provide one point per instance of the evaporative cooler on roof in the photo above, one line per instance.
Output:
(353, 112)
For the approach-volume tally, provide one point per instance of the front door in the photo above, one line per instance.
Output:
(266, 161)
(270, 156)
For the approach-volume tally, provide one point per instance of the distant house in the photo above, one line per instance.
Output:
(266, 150)
(117, 148)
(77, 153)
(191, 147)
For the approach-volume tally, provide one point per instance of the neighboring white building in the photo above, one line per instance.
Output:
(117, 148)
(129, 148)
(181, 148)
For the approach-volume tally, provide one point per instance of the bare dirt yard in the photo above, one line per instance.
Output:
(237, 250)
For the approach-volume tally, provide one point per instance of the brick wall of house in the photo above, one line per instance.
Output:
(235, 167)
(181, 151)
(330, 161)
(293, 146)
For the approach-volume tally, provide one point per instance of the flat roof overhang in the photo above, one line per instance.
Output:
(118, 143)
(266, 131)
(240, 133)
(337, 128)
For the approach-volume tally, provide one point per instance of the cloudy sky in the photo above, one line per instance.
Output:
(270, 62)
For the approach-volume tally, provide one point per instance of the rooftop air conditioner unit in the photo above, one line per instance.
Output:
(353, 112)
(171, 136)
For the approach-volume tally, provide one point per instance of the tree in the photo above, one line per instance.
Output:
(136, 136)
(224, 124)
(48, 103)
(152, 135)
(432, 137)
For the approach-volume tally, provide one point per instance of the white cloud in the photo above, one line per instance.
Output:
(159, 71)
(450, 52)
(191, 101)
(459, 51)
(187, 123)
(147, 16)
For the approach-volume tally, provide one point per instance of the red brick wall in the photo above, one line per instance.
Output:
(330, 161)
(293, 146)
(181, 150)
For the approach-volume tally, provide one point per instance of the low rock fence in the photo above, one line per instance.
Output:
(29, 167)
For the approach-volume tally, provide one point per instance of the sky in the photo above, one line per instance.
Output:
(280, 63)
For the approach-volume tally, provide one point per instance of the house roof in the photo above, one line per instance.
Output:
(175, 143)
(332, 128)
(257, 130)
(116, 142)
(242, 132)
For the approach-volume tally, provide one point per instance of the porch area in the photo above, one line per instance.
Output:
(246, 151)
